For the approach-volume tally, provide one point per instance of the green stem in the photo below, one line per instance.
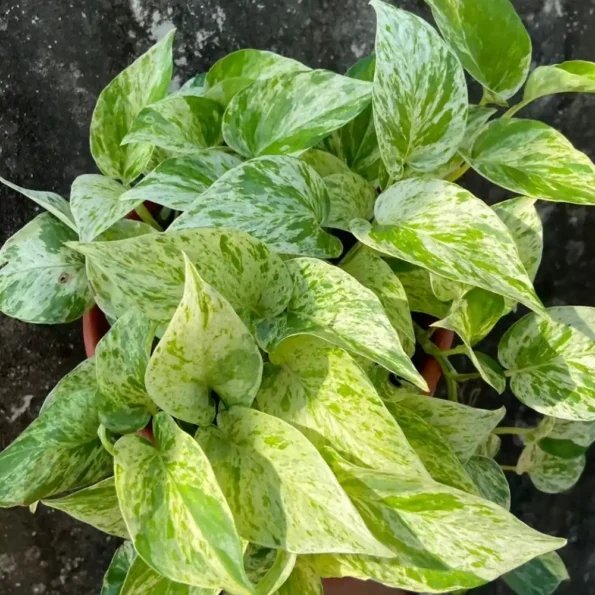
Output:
(105, 441)
(459, 350)
(465, 377)
(515, 108)
(508, 468)
(144, 214)
(457, 173)
(513, 431)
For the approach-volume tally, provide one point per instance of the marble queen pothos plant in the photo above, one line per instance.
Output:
(252, 422)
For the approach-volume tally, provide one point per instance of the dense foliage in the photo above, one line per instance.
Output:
(253, 422)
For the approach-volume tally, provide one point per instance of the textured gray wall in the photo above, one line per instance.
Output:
(56, 56)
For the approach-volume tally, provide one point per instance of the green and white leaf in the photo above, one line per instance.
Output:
(82, 379)
(115, 576)
(303, 580)
(351, 197)
(193, 86)
(142, 83)
(540, 576)
(291, 112)
(125, 229)
(96, 505)
(490, 480)
(330, 304)
(184, 530)
(420, 95)
(550, 362)
(325, 164)
(490, 447)
(581, 433)
(533, 159)
(205, 347)
(279, 200)
(177, 182)
(574, 76)
(277, 575)
(447, 290)
(281, 491)
(41, 280)
(489, 369)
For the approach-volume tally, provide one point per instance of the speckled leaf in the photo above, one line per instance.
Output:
(331, 304)
(281, 491)
(523, 221)
(351, 196)
(41, 280)
(436, 454)
(205, 347)
(121, 359)
(489, 369)
(178, 181)
(147, 273)
(143, 82)
(175, 512)
(375, 274)
(96, 205)
(550, 362)
(292, 112)
(303, 580)
(323, 163)
(447, 290)
(193, 86)
(258, 560)
(579, 432)
(322, 391)
(277, 574)
(224, 91)
(463, 427)
(60, 450)
(118, 569)
(428, 520)
(540, 576)
(478, 32)
(444, 228)
(531, 158)
(182, 124)
(279, 200)
(96, 505)
(420, 95)
(82, 379)
(50, 201)
(490, 480)
(574, 76)
(490, 447)
(125, 229)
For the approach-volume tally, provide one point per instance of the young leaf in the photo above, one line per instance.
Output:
(375, 274)
(574, 76)
(540, 576)
(118, 569)
(125, 229)
(206, 346)
(447, 290)
(489, 369)
(277, 575)
(175, 512)
(121, 359)
(50, 201)
(147, 273)
(142, 83)
(531, 158)
(291, 112)
(444, 228)
(322, 391)
(550, 362)
(303, 580)
(281, 491)
(420, 95)
(490, 480)
(490, 447)
(323, 163)
(193, 86)
(182, 124)
(477, 33)
(96, 505)
(579, 432)
(178, 182)
(41, 280)
(351, 197)
(329, 303)
(279, 200)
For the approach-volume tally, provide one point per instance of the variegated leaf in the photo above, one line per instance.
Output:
(279, 200)
(540, 576)
(477, 32)
(281, 491)
(329, 303)
(550, 362)
(224, 91)
(125, 229)
(143, 82)
(322, 391)
(41, 280)
(533, 159)
(175, 511)
(489, 479)
(60, 450)
(292, 112)
(147, 273)
(489, 369)
(277, 575)
(258, 560)
(429, 521)
(375, 274)
(490, 447)
(115, 576)
(303, 580)
(351, 197)
(193, 86)
(323, 163)
(444, 228)
(574, 76)
(177, 182)
(96, 505)
(205, 347)
(464, 428)
(182, 124)
(121, 359)
(447, 290)
(420, 95)
(580, 433)
(50, 201)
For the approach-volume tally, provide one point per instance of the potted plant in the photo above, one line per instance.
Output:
(249, 418)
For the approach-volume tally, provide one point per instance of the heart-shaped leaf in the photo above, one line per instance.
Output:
(351, 197)
(490, 480)
(576, 76)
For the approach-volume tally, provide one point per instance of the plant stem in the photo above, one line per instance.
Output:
(105, 441)
(144, 214)
(465, 377)
(457, 173)
(508, 468)
(515, 108)
(513, 431)
(459, 350)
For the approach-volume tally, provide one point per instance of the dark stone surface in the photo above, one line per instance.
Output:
(56, 56)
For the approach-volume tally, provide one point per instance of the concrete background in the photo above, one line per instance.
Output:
(56, 56)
